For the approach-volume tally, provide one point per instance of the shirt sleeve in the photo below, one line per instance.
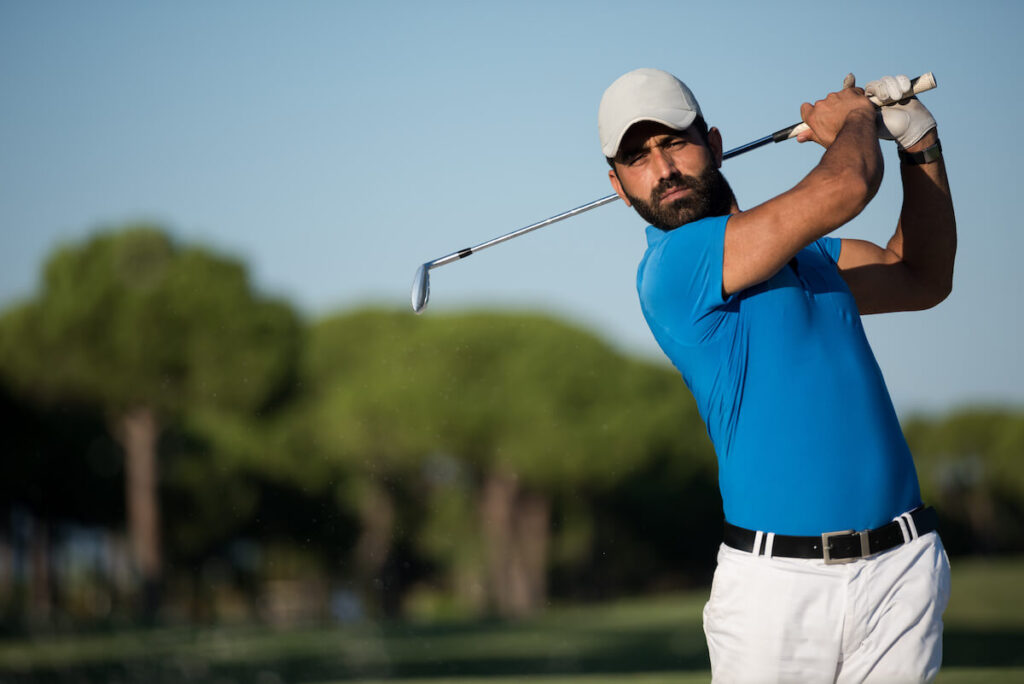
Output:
(830, 247)
(680, 282)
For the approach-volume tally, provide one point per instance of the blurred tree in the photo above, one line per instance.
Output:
(149, 332)
(658, 527)
(45, 486)
(496, 416)
(357, 434)
(971, 465)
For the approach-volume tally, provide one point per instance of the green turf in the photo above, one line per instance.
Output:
(638, 641)
(952, 675)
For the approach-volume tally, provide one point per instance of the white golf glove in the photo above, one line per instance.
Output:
(902, 118)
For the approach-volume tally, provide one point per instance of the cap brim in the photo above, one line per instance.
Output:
(675, 118)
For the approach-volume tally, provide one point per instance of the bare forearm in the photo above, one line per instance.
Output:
(856, 151)
(760, 241)
(925, 238)
(848, 175)
(915, 270)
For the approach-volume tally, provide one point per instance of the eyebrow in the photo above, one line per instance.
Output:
(666, 138)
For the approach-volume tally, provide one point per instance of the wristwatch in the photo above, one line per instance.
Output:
(925, 156)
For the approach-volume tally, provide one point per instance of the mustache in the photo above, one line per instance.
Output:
(673, 182)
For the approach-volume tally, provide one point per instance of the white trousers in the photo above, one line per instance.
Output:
(878, 619)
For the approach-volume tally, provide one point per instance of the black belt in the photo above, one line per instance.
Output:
(837, 547)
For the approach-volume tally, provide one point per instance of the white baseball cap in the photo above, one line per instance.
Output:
(643, 95)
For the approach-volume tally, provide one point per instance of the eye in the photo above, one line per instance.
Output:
(635, 158)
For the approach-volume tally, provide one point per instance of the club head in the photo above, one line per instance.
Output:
(421, 288)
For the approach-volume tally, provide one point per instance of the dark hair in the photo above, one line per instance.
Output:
(702, 128)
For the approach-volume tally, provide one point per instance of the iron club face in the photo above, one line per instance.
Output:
(421, 288)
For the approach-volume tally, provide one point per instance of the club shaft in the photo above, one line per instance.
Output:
(749, 146)
(463, 253)
(919, 84)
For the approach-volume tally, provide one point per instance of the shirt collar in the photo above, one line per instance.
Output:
(655, 235)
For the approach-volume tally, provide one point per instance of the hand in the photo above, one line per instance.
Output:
(826, 117)
(902, 118)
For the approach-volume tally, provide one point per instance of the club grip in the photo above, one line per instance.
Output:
(922, 83)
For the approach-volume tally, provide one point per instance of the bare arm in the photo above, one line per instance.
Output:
(762, 240)
(915, 269)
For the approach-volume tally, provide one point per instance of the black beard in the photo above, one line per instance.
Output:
(710, 196)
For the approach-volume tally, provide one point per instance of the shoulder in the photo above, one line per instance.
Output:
(827, 247)
(686, 243)
(681, 272)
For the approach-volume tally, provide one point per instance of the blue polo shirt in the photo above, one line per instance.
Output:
(806, 435)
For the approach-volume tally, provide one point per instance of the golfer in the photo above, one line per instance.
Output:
(831, 569)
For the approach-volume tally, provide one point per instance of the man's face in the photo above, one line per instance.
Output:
(670, 177)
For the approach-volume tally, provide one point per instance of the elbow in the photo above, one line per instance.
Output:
(942, 282)
(942, 290)
(934, 292)
(937, 295)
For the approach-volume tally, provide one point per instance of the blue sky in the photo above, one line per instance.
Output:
(335, 146)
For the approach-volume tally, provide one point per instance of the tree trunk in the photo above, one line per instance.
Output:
(377, 517)
(138, 430)
(516, 532)
(496, 504)
(531, 535)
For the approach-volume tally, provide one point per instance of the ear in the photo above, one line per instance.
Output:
(715, 143)
(617, 186)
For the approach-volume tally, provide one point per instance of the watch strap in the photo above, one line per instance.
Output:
(925, 156)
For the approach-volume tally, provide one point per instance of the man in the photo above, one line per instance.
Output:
(760, 312)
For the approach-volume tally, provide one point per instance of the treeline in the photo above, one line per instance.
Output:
(181, 446)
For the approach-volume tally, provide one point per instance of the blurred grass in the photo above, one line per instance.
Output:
(640, 641)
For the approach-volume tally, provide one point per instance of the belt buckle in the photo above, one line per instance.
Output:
(826, 546)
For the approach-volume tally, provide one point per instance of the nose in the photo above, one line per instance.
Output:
(664, 165)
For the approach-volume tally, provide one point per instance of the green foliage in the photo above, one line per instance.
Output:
(218, 498)
(129, 318)
(433, 405)
(971, 445)
(546, 401)
(280, 432)
(971, 466)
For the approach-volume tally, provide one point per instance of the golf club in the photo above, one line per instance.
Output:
(421, 281)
